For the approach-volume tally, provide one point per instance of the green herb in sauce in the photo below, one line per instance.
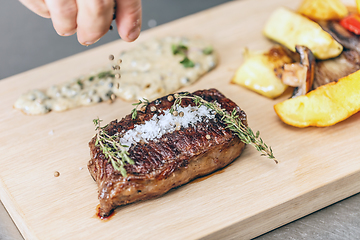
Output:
(106, 74)
(149, 70)
(208, 50)
(187, 63)
(182, 50)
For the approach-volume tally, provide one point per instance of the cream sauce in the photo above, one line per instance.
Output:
(149, 70)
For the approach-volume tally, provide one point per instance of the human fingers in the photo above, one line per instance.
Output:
(93, 20)
(37, 6)
(128, 19)
(63, 15)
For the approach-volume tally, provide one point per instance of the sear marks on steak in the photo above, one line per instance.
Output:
(167, 162)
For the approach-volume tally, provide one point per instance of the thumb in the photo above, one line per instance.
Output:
(128, 19)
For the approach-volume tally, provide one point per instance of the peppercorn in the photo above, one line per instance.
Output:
(170, 98)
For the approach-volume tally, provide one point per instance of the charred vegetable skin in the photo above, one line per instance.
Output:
(262, 72)
(340, 34)
(332, 70)
(300, 75)
(171, 161)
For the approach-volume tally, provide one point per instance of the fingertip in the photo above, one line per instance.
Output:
(87, 43)
(128, 19)
(94, 20)
(86, 39)
(132, 35)
(44, 15)
(67, 33)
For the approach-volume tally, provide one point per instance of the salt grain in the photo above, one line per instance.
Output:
(165, 123)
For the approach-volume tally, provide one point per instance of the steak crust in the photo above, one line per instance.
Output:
(167, 162)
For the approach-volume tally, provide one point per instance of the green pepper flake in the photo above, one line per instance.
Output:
(182, 50)
(208, 50)
(105, 74)
(79, 82)
(187, 63)
(179, 49)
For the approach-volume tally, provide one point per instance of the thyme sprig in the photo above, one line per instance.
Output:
(140, 104)
(119, 156)
(233, 123)
(111, 148)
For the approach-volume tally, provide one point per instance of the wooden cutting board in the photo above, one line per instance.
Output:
(318, 166)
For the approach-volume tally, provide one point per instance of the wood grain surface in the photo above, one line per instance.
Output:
(318, 166)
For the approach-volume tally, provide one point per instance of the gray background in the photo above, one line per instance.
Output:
(28, 41)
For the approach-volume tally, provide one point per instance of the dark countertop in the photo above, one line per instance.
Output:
(28, 41)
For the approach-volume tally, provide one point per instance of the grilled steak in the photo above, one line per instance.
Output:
(170, 159)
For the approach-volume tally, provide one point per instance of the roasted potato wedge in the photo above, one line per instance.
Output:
(323, 9)
(261, 71)
(324, 106)
(290, 29)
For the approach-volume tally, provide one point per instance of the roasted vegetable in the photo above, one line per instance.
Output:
(300, 75)
(324, 106)
(340, 34)
(351, 23)
(323, 9)
(333, 69)
(261, 72)
(291, 29)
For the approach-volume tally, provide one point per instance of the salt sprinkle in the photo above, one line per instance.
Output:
(165, 123)
(51, 132)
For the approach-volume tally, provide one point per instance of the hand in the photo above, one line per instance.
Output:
(91, 19)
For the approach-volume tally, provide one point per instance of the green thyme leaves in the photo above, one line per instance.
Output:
(109, 145)
(118, 155)
(233, 122)
(141, 104)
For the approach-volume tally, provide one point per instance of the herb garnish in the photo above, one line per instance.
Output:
(179, 49)
(187, 63)
(233, 122)
(141, 104)
(80, 83)
(208, 50)
(105, 74)
(119, 156)
(111, 148)
(182, 50)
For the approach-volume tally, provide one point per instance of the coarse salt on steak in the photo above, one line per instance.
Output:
(167, 150)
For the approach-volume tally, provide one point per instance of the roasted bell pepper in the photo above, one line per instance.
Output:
(351, 23)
